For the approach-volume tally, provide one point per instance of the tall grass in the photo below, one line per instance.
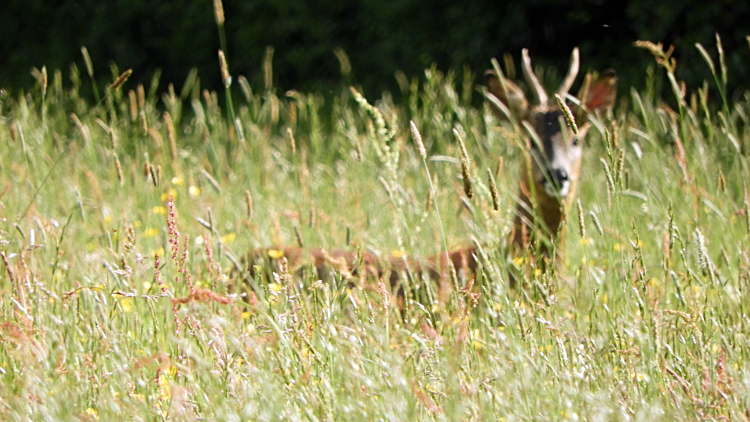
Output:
(117, 300)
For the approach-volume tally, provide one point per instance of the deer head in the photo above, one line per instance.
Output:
(555, 150)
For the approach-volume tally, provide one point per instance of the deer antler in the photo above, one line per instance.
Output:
(571, 76)
(528, 73)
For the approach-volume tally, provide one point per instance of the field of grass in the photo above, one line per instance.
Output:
(116, 301)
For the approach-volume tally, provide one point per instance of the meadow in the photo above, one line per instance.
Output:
(123, 223)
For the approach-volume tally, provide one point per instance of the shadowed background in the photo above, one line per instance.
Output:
(379, 38)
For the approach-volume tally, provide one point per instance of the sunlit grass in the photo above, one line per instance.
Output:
(119, 305)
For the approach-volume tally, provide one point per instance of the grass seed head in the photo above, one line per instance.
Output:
(141, 96)
(171, 135)
(468, 190)
(87, 61)
(493, 191)
(581, 222)
(596, 222)
(81, 128)
(465, 164)
(13, 129)
(619, 165)
(703, 259)
(219, 12)
(43, 81)
(344, 63)
(567, 113)
(112, 138)
(225, 77)
(118, 167)
(464, 153)
(608, 174)
(268, 68)
(133, 105)
(429, 201)
(121, 80)
(418, 140)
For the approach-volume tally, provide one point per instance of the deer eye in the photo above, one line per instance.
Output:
(576, 141)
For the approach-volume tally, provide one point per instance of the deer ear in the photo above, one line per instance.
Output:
(508, 93)
(598, 95)
(602, 92)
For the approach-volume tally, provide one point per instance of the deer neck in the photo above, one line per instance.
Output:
(543, 214)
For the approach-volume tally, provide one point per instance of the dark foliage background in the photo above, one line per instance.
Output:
(379, 37)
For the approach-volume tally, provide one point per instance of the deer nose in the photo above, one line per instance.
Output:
(559, 176)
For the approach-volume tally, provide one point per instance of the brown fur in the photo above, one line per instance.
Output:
(353, 265)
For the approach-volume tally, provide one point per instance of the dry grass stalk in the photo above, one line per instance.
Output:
(615, 132)
(464, 153)
(274, 100)
(144, 123)
(247, 91)
(13, 129)
(110, 131)
(681, 157)
(81, 128)
(41, 78)
(383, 290)
(662, 57)
(44, 81)
(268, 68)
(608, 174)
(141, 95)
(121, 80)
(214, 184)
(290, 138)
(344, 63)
(156, 137)
(597, 224)
(429, 201)
(171, 136)
(249, 204)
(199, 294)
(112, 138)
(8, 268)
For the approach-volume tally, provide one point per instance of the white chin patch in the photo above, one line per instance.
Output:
(562, 192)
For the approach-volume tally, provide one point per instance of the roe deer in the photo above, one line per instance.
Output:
(552, 165)
(547, 183)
